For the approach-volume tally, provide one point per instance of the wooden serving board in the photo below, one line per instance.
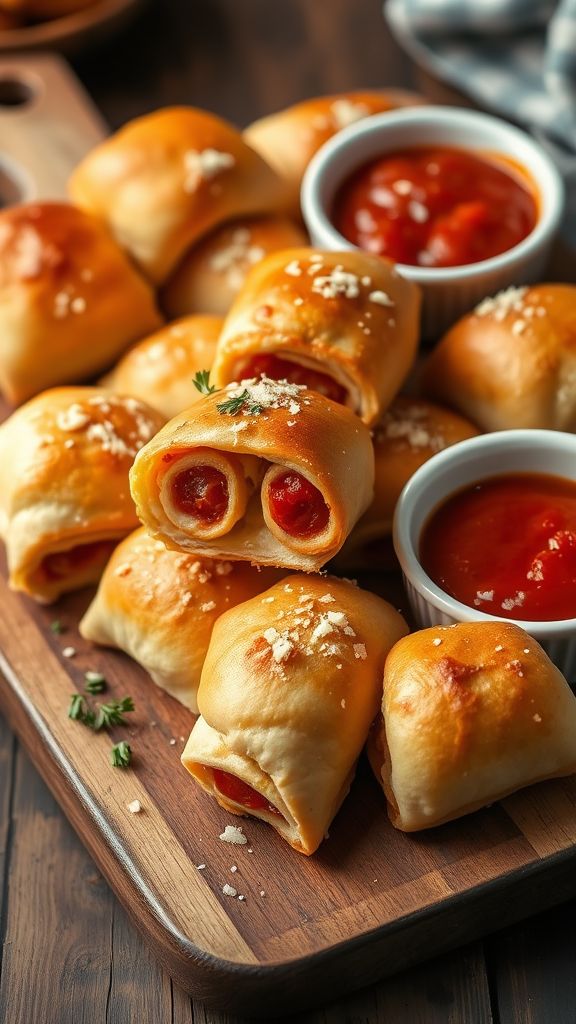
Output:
(371, 901)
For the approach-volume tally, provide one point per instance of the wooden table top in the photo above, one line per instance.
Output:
(68, 953)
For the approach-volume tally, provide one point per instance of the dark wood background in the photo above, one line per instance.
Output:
(68, 952)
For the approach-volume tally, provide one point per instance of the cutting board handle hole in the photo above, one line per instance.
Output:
(15, 92)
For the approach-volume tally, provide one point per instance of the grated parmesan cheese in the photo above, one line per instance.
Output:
(233, 834)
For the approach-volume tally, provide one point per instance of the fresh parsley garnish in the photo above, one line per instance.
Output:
(94, 682)
(232, 406)
(120, 755)
(56, 627)
(112, 713)
(77, 709)
(202, 383)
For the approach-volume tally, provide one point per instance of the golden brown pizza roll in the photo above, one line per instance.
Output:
(70, 300)
(512, 361)
(262, 471)
(160, 606)
(470, 714)
(411, 431)
(289, 139)
(160, 369)
(290, 685)
(343, 323)
(213, 271)
(64, 495)
(168, 178)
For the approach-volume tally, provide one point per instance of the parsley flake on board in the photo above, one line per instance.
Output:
(120, 755)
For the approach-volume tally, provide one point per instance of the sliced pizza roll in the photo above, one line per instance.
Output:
(212, 273)
(70, 300)
(160, 369)
(160, 606)
(262, 471)
(410, 432)
(168, 178)
(342, 323)
(291, 683)
(470, 714)
(289, 138)
(65, 500)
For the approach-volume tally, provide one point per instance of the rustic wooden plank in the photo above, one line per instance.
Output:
(7, 760)
(58, 918)
(532, 969)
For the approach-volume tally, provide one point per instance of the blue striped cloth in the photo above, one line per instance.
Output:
(516, 57)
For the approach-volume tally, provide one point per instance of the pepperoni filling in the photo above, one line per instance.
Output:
(296, 506)
(282, 369)
(62, 564)
(201, 492)
(241, 793)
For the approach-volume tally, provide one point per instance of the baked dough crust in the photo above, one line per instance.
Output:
(468, 721)
(70, 300)
(290, 685)
(168, 178)
(346, 314)
(64, 461)
(160, 606)
(305, 432)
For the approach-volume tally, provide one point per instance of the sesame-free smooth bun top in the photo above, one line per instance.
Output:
(168, 178)
(512, 361)
(471, 713)
(291, 683)
(70, 300)
(213, 271)
(343, 323)
(261, 471)
(64, 495)
(160, 606)
(289, 139)
(160, 369)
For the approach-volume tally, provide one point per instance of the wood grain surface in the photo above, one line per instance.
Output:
(69, 953)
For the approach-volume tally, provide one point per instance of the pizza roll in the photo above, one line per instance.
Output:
(343, 323)
(262, 471)
(64, 499)
(160, 606)
(512, 361)
(168, 178)
(410, 432)
(70, 300)
(471, 713)
(160, 369)
(213, 271)
(290, 686)
(289, 139)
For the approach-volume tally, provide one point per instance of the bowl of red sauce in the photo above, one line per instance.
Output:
(486, 529)
(463, 202)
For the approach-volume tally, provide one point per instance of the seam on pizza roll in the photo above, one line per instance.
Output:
(159, 606)
(264, 427)
(160, 369)
(290, 685)
(168, 178)
(510, 362)
(470, 714)
(343, 323)
(70, 300)
(65, 499)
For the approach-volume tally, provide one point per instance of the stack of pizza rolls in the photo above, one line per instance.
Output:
(65, 501)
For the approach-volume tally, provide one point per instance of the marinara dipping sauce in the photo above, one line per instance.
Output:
(436, 207)
(507, 546)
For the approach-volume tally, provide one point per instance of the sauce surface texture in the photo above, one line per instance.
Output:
(507, 546)
(435, 207)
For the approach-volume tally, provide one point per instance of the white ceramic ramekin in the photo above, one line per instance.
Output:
(448, 292)
(509, 451)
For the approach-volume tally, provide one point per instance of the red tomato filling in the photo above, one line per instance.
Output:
(201, 492)
(283, 369)
(296, 506)
(435, 208)
(241, 793)
(64, 563)
(507, 546)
